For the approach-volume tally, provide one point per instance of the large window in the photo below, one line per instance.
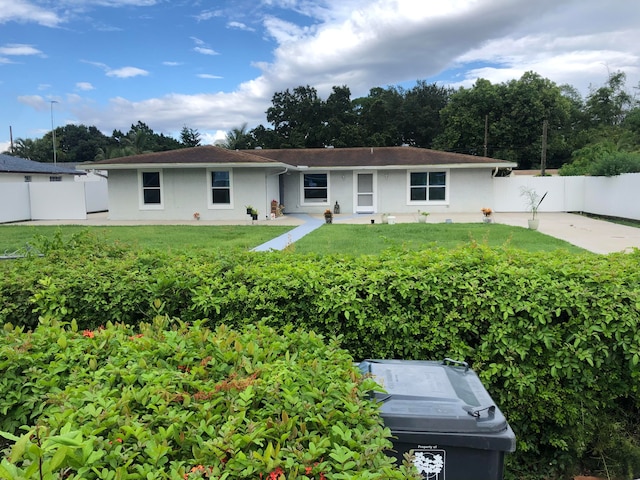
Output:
(220, 187)
(151, 185)
(427, 187)
(315, 188)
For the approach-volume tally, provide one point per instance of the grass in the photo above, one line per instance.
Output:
(345, 239)
(164, 237)
(373, 239)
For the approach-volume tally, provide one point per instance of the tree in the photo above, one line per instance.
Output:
(338, 119)
(608, 105)
(512, 114)
(420, 121)
(464, 118)
(379, 116)
(238, 138)
(190, 137)
(296, 117)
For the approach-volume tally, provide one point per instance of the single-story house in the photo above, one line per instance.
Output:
(214, 183)
(16, 169)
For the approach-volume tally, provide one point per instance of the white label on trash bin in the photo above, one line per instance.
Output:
(430, 463)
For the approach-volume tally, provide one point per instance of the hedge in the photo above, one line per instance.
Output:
(553, 336)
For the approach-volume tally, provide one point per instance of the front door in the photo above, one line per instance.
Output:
(365, 200)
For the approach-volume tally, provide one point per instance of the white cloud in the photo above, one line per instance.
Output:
(34, 101)
(84, 86)
(124, 72)
(240, 26)
(16, 49)
(172, 64)
(208, 15)
(205, 51)
(202, 47)
(27, 12)
(127, 72)
(208, 76)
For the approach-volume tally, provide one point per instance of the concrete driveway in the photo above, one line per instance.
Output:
(597, 236)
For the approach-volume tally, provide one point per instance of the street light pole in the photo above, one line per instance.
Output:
(53, 134)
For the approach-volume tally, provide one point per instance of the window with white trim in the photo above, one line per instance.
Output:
(427, 187)
(27, 178)
(151, 187)
(315, 188)
(220, 185)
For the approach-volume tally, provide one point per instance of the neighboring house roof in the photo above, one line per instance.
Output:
(361, 157)
(11, 164)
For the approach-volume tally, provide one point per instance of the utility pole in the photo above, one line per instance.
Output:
(486, 133)
(53, 134)
(543, 158)
(11, 138)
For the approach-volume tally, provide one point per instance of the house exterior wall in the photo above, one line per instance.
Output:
(467, 190)
(187, 191)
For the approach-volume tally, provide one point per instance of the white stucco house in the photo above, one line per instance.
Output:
(218, 184)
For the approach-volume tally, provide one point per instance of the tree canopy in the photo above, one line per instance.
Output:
(505, 121)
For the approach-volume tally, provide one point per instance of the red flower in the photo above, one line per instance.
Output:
(88, 333)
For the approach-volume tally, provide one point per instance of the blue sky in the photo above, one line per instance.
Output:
(214, 65)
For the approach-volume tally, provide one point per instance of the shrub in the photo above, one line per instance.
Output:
(172, 400)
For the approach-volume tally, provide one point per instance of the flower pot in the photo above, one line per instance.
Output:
(328, 219)
(533, 224)
(254, 216)
(249, 210)
(422, 219)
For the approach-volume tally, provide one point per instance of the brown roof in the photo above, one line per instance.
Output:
(194, 155)
(310, 157)
(372, 157)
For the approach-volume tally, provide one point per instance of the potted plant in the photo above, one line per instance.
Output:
(486, 212)
(196, 216)
(254, 214)
(385, 218)
(422, 217)
(532, 201)
(328, 216)
(249, 209)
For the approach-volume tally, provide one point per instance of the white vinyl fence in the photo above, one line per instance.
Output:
(617, 196)
(20, 201)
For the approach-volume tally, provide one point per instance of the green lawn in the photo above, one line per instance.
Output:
(373, 239)
(165, 237)
(346, 239)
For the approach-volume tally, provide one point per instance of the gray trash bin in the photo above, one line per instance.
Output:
(441, 414)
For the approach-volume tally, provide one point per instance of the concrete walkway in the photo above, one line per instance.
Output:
(308, 225)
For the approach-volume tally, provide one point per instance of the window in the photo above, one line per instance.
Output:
(151, 189)
(220, 187)
(427, 187)
(315, 188)
(55, 178)
(27, 178)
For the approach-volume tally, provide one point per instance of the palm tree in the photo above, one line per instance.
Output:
(238, 138)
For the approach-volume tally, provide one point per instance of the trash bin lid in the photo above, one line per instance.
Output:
(426, 396)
